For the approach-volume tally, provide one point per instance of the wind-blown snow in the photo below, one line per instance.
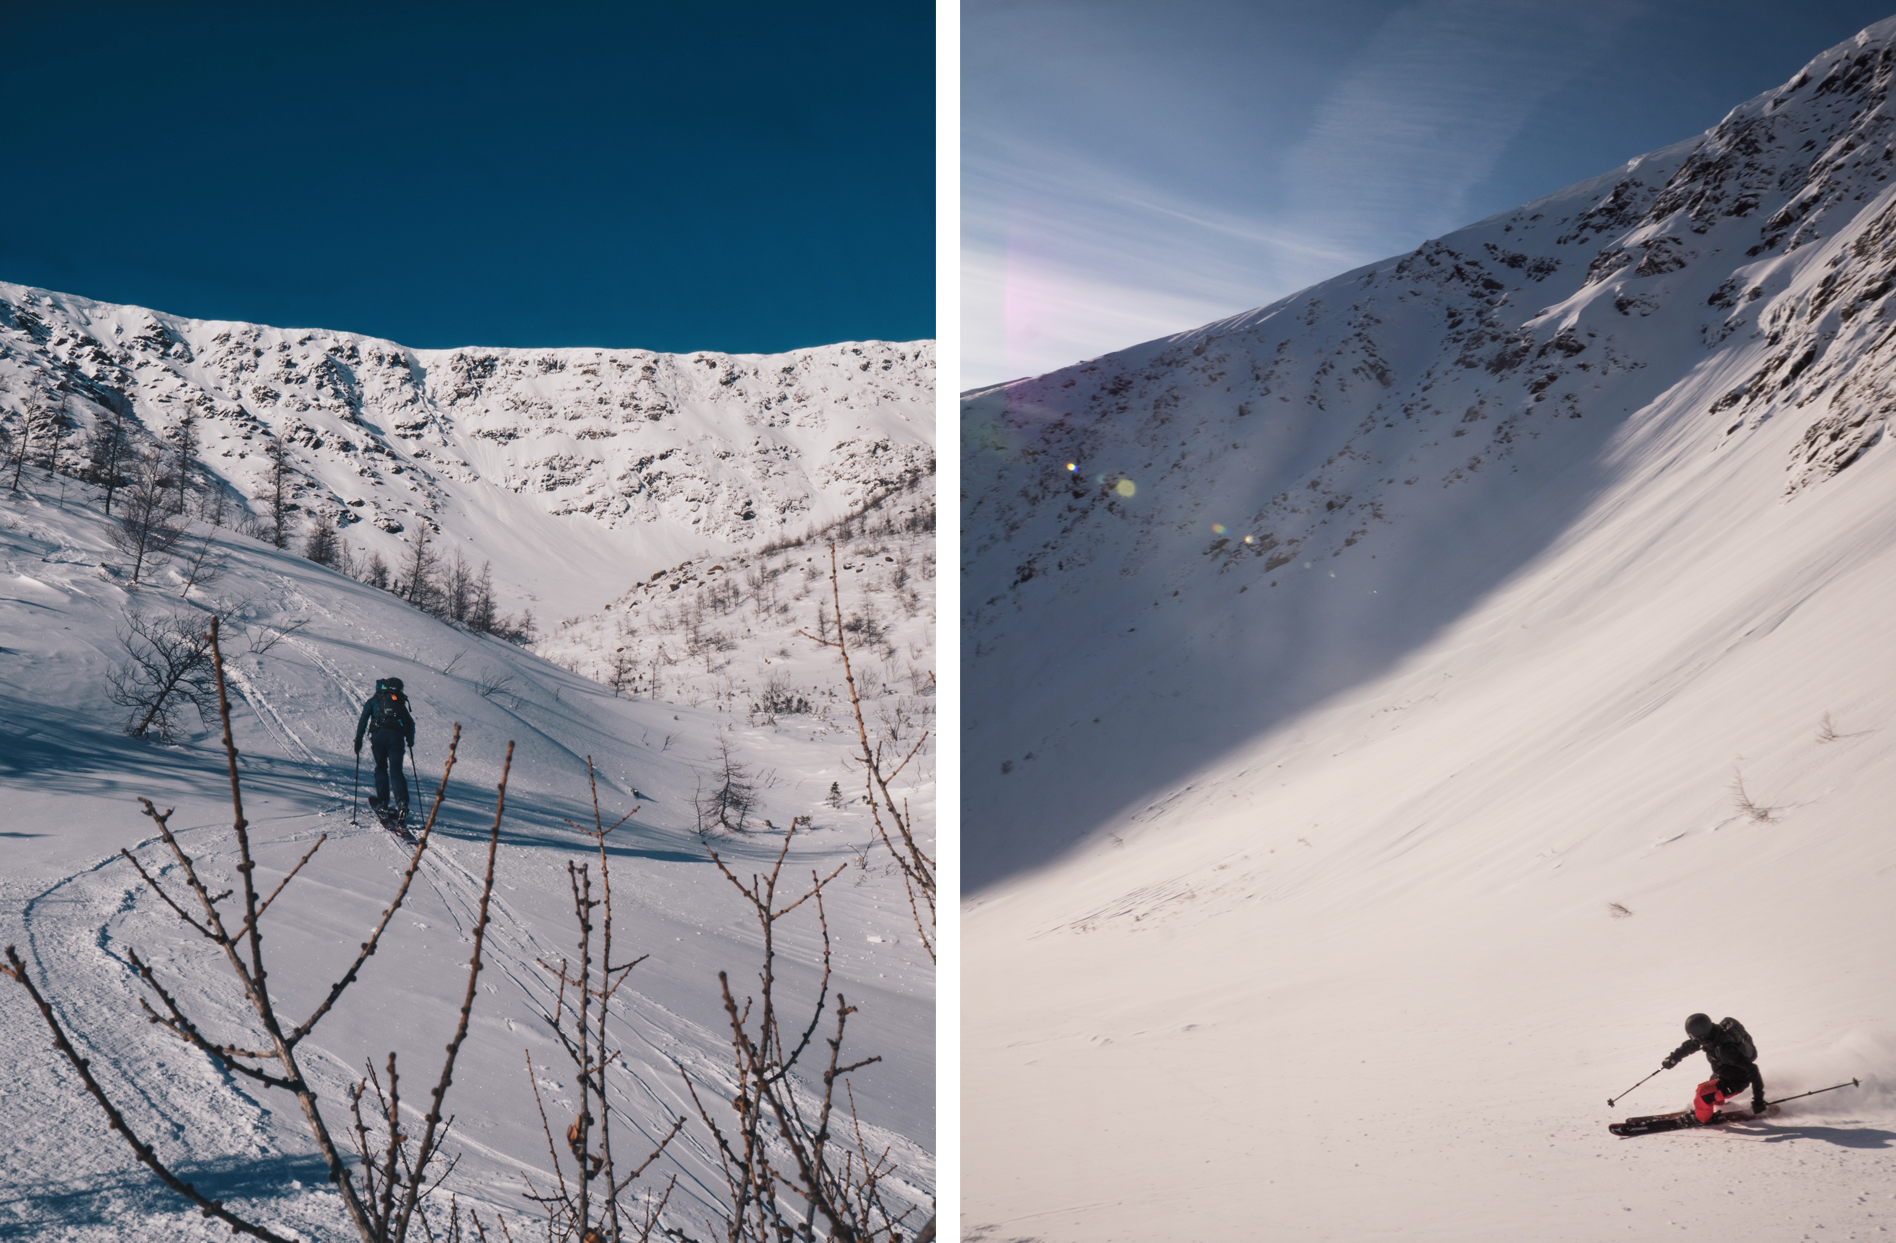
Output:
(1357, 693)
(70, 776)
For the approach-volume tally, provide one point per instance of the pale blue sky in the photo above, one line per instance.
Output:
(1133, 169)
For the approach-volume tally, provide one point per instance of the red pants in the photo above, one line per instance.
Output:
(1707, 1099)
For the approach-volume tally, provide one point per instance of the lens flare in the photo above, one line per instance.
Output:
(1217, 528)
(1073, 466)
(1125, 487)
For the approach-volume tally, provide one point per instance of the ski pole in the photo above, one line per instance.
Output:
(1801, 1095)
(1614, 1100)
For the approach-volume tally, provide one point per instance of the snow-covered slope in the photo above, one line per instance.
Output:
(734, 630)
(69, 775)
(1389, 712)
(619, 458)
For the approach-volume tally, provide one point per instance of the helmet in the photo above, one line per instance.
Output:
(391, 684)
(1699, 1026)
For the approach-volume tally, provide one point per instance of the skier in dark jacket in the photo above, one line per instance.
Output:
(1728, 1047)
(390, 727)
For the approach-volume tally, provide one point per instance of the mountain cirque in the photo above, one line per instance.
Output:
(1751, 267)
(715, 447)
(1367, 458)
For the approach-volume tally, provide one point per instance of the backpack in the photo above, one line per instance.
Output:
(1737, 1031)
(388, 704)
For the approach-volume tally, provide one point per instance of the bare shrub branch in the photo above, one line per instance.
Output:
(727, 795)
(881, 765)
(167, 669)
(1742, 800)
(786, 1140)
(841, 1185)
(263, 638)
(491, 685)
(282, 487)
(268, 1055)
(146, 526)
(16, 969)
(203, 562)
(588, 1205)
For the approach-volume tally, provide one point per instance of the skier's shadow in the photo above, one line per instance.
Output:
(1842, 1137)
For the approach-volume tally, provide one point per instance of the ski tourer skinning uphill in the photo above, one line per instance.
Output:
(385, 718)
(1734, 1058)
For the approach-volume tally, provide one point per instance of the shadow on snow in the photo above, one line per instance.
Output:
(100, 1201)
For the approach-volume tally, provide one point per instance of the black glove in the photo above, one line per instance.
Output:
(358, 746)
(1758, 1106)
(1669, 1063)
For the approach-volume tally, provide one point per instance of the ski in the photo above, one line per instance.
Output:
(1681, 1121)
(394, 823)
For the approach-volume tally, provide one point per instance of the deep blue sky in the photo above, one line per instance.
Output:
(1132, 169)
(743, 177)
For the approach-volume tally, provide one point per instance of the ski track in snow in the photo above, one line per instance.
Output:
(267, 711)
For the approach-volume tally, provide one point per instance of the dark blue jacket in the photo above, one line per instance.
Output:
(396, 708)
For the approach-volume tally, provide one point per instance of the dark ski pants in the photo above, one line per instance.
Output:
(388, 745)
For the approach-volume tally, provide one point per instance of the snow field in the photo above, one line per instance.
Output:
(75, 908)
(1377, 968)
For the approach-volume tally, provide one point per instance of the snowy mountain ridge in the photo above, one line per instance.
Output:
(642, 457)
(1390, 712)
(1742, 276)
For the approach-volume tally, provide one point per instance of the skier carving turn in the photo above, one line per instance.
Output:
(386, 719)
(1734, 1058)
